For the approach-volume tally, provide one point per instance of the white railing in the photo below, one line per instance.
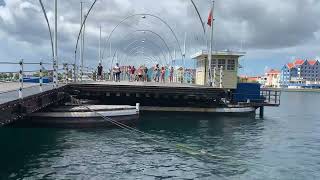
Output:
(20, 70)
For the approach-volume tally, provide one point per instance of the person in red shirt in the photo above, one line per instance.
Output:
(163, 73)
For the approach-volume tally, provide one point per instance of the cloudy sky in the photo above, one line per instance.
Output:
(271, 32)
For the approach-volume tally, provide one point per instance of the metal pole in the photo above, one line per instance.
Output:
(74, 72)
(81, 42)
(21, 79)
(100, 46)
(210, 49)
(55, 61)
(214, 77)
(41, 76)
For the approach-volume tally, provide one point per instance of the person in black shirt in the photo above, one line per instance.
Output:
(100, 70)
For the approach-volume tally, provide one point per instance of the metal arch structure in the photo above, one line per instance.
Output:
(148, 41)
(156, 34)
(48, 24)
(81, 28)
(153, 58)
(135, 41)
(202, 22)
(138, 41)
(199, 16)
(93, 4)
(143, 14)
(136, 48)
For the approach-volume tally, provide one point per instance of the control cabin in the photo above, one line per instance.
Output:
(228, 60)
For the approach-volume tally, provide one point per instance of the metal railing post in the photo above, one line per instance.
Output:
(214, 77)
(74, 73)
(55, 74)
(67, 73)
(41, 76)
(21, 79)
(221, 77)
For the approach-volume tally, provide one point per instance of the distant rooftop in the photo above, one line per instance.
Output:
(219, 53)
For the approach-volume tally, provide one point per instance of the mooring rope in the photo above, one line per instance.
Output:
(152, 137)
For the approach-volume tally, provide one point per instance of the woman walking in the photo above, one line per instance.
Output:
(156, 73)
(171, 74)
(163, 74)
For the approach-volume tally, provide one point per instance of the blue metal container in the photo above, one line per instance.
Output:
(36, 80)
(247, 91)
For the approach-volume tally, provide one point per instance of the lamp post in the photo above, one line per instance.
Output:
(55, 59)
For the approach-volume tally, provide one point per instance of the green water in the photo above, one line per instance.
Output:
(283, 145)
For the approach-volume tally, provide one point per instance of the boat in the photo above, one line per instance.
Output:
(84, 116)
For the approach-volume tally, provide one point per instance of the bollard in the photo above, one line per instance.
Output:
(21, 79)
(221, 77)
(138, 106)
(41, 76)
(214, 77)
(67, 73)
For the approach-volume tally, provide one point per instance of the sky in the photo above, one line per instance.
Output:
(271, 33)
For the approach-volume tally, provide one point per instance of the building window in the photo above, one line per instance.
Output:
(213, 63)
(200, 63)
(231, 64)
(222, 63)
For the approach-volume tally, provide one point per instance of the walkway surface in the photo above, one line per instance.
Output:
(9, 90)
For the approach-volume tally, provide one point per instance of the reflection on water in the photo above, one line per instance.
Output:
(283, 145)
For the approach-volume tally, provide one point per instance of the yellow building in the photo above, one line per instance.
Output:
(226, 64)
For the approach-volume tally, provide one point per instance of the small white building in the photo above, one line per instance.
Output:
(227, 60)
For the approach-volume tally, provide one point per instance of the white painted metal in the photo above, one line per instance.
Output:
(21, 79)
(55, 60)
(100, 46)
(210, 49)
(221, 77)
(41, 76)
(81, 42)
(204, 110)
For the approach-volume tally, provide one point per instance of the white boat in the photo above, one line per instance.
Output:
(87, 116)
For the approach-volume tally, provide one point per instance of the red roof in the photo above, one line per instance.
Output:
(299, 62)
(312, 62)
(290, 65)
(273, 71)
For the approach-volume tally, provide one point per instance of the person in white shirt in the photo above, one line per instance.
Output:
(117, 72)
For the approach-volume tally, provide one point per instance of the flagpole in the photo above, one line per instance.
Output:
(210, 49)
(100, 46)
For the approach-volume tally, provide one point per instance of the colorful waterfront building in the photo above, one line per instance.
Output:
(273, 78)
(300, 72)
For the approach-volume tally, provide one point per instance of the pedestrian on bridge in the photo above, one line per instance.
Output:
(132, 73)
(163, 74)
(156, 72)
(117, 72)
(171, 74)
(145, 74)
(100, 70)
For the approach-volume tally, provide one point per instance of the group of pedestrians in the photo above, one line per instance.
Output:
(160, 74)
(138, 74)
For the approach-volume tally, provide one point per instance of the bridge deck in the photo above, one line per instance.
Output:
(9, 91)
(148, 87)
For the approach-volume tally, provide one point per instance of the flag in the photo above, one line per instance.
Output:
(210, 18)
